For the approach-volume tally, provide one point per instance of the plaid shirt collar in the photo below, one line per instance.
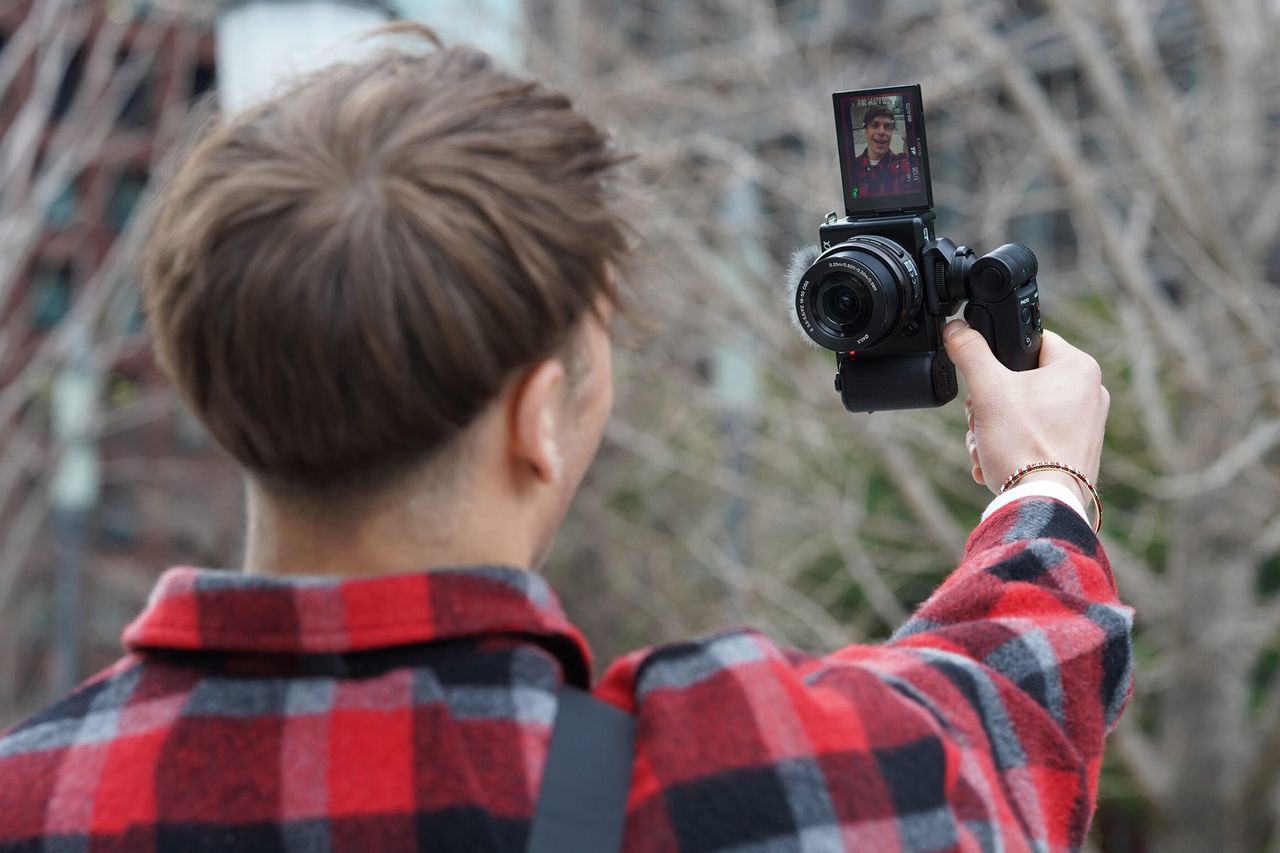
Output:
(231, 612)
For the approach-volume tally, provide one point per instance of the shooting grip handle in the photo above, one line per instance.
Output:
(1004, 305)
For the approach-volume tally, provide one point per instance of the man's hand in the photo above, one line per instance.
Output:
(1056, 412)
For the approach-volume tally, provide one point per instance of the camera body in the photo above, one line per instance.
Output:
(883, 284)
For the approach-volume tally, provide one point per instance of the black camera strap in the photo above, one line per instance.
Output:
(583, 801)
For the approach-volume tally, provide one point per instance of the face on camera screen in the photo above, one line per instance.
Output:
(883, 162)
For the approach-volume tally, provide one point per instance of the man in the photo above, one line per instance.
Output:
(878, 170)
(386, 294)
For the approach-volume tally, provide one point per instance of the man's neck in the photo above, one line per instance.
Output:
(411, 536)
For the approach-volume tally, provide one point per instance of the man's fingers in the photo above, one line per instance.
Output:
(968, 350)
(1054, 348)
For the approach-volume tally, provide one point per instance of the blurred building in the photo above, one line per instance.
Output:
(144, 441)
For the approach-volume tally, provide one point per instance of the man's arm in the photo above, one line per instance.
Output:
(986, 711)
(979, 725)
(1035, 603)
(1022, 657)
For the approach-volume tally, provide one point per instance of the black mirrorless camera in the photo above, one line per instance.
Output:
(882, 284)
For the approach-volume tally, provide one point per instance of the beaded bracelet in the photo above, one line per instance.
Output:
(1066, 469)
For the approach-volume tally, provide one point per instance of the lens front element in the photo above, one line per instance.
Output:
(842, 303)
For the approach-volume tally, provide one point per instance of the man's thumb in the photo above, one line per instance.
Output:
(969, 351)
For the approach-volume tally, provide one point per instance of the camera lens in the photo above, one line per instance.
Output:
(858, 294)
(841, 305)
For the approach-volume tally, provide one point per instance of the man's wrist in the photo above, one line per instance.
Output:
(1062, 478)
(1032, 486)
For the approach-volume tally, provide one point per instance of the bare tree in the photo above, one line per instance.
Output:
(1131, 143)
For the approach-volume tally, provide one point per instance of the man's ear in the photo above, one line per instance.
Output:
(534, 440)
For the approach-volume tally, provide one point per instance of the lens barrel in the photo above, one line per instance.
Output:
(858, 294)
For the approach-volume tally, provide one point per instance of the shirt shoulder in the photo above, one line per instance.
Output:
(52, 762)
(653, 670)
(738, 735)
(49, 727)
(899, 162)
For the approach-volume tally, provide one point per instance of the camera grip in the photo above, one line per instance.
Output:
(911, 381)
(1011, 326)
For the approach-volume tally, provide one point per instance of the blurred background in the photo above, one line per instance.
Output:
(1131, 143)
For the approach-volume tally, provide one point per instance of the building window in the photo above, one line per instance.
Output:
(124, 197)
(63, 213)
(136, 317)
(136, 113)
(50, 296)
(70, 82)
(189, 435)
(796, 12)
(203, 80)
(124, 314)
(119, 523)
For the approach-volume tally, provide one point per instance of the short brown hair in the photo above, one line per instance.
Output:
(878, 111)
(340, 279)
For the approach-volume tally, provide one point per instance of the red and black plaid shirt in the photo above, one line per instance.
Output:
(414, 712)
(892, 174)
